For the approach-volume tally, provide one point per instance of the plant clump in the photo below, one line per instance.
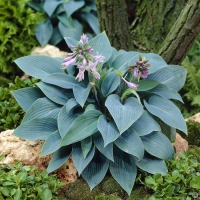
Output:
(105, 108)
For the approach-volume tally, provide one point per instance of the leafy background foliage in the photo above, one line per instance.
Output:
(26, 182)
(73, 122)
(11, 113)
(65, 18)
(17, 27)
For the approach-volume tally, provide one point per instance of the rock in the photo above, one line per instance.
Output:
(49, 50)
(28, 152)
(180, 144)
(195, 118)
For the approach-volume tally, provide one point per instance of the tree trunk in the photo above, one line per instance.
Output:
(114, 20)
(153, 21)
(182, 34)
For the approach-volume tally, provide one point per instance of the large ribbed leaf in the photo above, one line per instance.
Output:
(72, 103)
(72, 6)
(79, 161)
(39, 66)
(65, 120)
(50, 6)
(81, 93)
(51, 144)
(71, 41)
(131, 143)
(82, 127)
(36, 129)
(108, 130)
(173, 76)
(166, 111)
(101, 45)
(59, 158)
(60, 79)
(168, 93)
(56, 94)
(43, 107)
(158, 145)
(123, 170)
(124, 114)
(96, 170)
(86, 145)
(106, 151)
(146, 124)
(110, 83)
(27, 96)
(152, 165)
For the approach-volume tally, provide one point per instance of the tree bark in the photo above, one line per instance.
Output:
(183, 33)
(114, 20)
(152, 23)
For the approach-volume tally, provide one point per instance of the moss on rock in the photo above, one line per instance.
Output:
(109, 189)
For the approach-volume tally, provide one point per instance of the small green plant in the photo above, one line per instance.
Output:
(182, 182)
(113, 111)
(17, 28)
(65, 18)
(20, 182)
(11, 114)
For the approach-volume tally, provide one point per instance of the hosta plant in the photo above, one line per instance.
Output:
(110, 110)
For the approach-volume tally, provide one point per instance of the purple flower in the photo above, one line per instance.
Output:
(99, 58)
(144, 73)
(84, 39)
(130, 85)
(80, 75)
(96, 74)
(68, 63)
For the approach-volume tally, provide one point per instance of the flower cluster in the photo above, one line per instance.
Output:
(82, 56)
(139, 69)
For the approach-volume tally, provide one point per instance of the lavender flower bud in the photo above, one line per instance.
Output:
(84, 39)
(130, 85)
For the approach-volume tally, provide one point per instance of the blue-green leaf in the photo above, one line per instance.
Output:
(59, 158)
(65, 120)
(62, 80)
(173, 76)
(168, 93)
(86, 145)
(123, 170)
(81, 93)
(96, 170)
(56, 37)
(36, 129)
(124, 114)
(71, 41)
(75, 33)
(108, 130)
(110, 83)
(82, 127)
(39, 66)
(44, 32)
(131, 143)
(92, 20)
(72, 6)
(56, 94)
(79, 161)
(27, 96)
(106, 151)
(72, 103)
(43, 107)
(51, 144)
(166, 111)
(146, 124)
(101, 45)
(158, 145)
(152, 165)
(50, 6)
(67, 21)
